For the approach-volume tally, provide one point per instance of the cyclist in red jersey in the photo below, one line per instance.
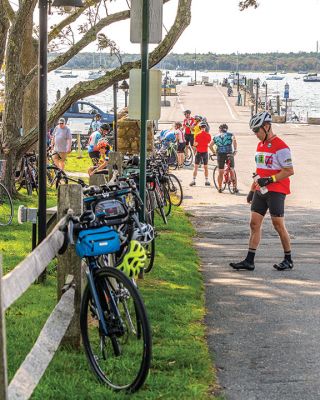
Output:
(187, 125)
(274, 167)
(202, 143)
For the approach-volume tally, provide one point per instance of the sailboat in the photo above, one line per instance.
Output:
(68, 75)
(95, 74)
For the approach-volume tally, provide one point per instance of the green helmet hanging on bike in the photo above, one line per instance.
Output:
(133, 260)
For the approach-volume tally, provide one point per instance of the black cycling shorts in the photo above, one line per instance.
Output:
(181, 147)
(222, 158)
(189, 138)
(273, 201)
(201, 158)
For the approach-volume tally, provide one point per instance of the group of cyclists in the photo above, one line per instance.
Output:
(194, 132)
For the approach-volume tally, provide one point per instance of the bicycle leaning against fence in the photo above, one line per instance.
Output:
(229, 176)
(6, 206)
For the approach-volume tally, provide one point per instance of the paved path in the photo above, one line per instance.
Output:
(263, 326)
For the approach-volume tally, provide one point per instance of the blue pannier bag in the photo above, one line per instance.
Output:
(97, 241)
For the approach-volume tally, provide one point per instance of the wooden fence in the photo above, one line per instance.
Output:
(63, 323)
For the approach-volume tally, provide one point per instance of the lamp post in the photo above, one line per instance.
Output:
(257, 93)
(125, 87)
(115, 115)
(42, 126)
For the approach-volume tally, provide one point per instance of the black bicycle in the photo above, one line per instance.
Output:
(6, 206)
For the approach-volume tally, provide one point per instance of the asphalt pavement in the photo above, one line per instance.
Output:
(263, 327)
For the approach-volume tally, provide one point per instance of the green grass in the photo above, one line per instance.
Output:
(174, 296)
(78, 164)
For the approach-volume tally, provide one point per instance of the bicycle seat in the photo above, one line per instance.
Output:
(87, 217)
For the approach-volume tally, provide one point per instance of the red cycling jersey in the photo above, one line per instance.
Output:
(187, 124)
(203, 140)
(271, 157)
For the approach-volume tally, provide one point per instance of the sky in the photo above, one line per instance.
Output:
(218, 26)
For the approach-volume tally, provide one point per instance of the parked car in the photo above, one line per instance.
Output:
(86, 110)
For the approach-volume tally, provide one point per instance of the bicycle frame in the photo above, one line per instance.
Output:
(92, 266)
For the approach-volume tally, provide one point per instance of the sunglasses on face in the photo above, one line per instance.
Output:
(256, 130)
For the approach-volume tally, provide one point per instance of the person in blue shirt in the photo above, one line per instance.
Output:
(226, 144)
(93, 150)
(95, 124)
(167, 136)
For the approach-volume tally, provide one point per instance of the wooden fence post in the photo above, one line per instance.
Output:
(3, 346)
(115, 159)
(71, 197)
(97, 180)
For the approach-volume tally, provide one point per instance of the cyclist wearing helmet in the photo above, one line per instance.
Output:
(104, 149)
(94, 138)
(187, 126)
(196, 126)
(226, 146)
(274, 166)
(202, 143)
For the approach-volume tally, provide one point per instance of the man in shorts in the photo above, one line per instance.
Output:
(61, 143)
(187, 125)
(226, 147)
(202, 143)
(274, 166)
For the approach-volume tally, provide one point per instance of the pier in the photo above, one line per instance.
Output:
(263, 327)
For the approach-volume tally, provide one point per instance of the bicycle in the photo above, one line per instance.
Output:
(188, 155)
(6, 206)
(114, 325)
(27, 175)
(228, 180)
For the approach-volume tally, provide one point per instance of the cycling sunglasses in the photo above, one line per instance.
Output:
(256, 130)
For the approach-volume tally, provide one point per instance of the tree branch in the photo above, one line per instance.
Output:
(5, 4)
(53, 34)
(88, 88)
(248, 3)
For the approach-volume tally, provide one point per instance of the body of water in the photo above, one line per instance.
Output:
(306, 94)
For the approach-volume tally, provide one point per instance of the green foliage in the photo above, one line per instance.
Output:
(210, 61)
(174, 295)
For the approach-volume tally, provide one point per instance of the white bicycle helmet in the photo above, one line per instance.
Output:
(144, 234)
(259, 119)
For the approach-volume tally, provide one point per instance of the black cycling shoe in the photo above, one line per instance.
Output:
(284, 265)
(243, 265)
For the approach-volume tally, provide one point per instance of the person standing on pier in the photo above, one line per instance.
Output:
(187, 126)
(268, 191)
(202, 144)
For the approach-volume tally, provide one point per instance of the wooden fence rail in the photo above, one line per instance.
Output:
(64, 319)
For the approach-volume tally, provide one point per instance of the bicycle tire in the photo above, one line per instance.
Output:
(159, 208)
(166, 201)
(173, 158)
(150, 249)
(232, 184)
(124, 368)
(175, 190)
(188, 159)
(59, 176)
(215, 179)
(6, 206)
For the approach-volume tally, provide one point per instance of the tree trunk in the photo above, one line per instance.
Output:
(4, 26)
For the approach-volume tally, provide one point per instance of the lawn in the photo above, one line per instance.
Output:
(174, 296)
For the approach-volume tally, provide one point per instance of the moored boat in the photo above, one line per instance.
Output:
(311, 78)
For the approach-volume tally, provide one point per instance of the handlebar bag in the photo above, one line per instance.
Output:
(97, 241)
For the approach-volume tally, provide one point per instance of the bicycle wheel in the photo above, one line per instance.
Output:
(188, 156)
(150, 249)
(160, 209)
(175, 190)
(6, 207)
(122, 358)
(215, 179)
(55, 176)
(173, 158)
(232, 183)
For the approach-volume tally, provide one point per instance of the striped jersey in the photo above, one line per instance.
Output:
(271, 157)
